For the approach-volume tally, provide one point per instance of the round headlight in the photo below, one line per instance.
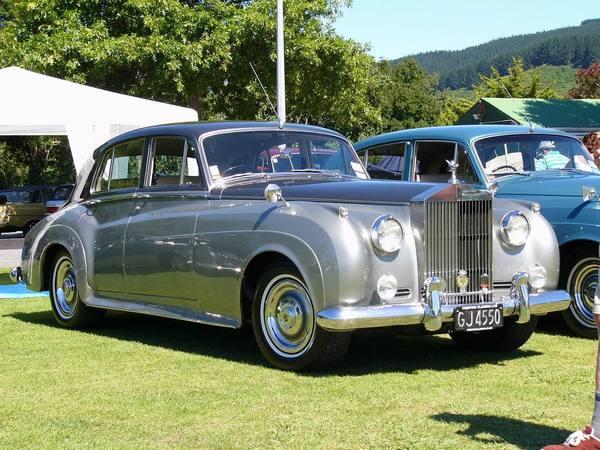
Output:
(387, 234)
(515, 228)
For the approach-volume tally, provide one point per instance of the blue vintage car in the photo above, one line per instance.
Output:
(546, 166)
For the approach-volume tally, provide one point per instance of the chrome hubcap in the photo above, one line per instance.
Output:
(582, 284)
(64, 287)
(287, 316)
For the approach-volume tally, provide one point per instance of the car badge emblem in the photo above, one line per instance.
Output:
(462, 280)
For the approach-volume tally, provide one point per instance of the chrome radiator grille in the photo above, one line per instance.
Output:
(458, 236)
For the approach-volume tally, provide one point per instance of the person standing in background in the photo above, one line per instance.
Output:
(592, 143)
(589, 438)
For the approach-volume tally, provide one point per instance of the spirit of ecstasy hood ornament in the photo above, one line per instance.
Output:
(452, 168)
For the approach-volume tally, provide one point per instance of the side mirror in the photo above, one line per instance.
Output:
(3, 199)
(589, 193)
(273, 194)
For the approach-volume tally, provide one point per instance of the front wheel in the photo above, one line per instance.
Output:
(580, 277)
(285, 327)
(506, 339)
(67, 307)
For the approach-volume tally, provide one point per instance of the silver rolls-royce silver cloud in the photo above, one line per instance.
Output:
(247, 223)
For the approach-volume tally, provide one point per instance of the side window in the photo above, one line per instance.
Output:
(385, 161)
(121, 166)
(174, 163)
(431, 165)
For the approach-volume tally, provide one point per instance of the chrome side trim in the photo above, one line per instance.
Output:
(352, 318)
(188, 315)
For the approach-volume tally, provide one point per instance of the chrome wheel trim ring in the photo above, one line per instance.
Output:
(581, 284)
(287, 317)
(64, 288)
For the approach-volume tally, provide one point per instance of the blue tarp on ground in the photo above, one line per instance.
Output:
(18, 291)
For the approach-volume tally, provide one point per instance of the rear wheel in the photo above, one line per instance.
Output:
(580, 277)
(506, 339)
(67, 307)
(284, 323)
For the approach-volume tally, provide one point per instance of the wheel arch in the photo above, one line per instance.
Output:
(570, 247)
(269, 258)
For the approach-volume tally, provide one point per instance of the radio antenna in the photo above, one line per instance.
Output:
(264, 91)
(524, 113)
(281, 113)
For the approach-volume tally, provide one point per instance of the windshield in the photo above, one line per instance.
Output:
(279, 151)
(505, 155)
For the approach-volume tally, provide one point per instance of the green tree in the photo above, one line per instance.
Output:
(453, 107)
(515, 85)
(409, 97)
(6, 8)
(587, 84)
(198, 54)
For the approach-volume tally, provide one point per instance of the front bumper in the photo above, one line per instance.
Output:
(432, 312)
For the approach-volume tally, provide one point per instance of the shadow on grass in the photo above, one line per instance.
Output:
(486, 429)
(553, 324)
(386, 353)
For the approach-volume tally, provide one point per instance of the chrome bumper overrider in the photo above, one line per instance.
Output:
(432, 313)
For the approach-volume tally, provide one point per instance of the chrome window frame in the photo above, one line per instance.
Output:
(149, 163)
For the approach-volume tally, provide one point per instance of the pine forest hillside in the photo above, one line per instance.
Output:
(578, 47)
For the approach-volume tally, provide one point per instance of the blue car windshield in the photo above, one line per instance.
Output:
(505, 155)
(249, 152)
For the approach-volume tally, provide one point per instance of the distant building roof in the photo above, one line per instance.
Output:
(576, 117)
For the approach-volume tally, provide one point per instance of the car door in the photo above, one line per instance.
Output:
(386, 161)
(159, 242)
(108, 209)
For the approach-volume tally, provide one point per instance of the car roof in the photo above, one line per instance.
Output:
(453, 133)
(197, 129)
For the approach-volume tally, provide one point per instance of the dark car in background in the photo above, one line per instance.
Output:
(58, 197)
(21, 208)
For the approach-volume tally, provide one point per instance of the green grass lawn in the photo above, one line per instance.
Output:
(143, 382)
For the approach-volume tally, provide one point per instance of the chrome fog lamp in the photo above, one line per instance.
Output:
(515, 229)
(387, 234)
(537, 276)
(387, 286)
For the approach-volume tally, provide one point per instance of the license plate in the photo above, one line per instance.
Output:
(478, 317)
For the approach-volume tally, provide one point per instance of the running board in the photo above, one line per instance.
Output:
(162, 311)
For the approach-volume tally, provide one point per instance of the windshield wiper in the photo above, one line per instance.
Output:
(307, 170)
(523, 174)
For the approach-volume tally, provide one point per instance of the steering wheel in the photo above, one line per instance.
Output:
(507, 166)
(233, 170)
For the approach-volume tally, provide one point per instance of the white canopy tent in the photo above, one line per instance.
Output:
(38, 105)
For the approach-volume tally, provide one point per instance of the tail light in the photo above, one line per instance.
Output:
(51, 209)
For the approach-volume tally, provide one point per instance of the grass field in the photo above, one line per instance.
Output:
(143, 382)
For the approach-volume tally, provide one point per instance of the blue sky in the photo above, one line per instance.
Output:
(397, 28)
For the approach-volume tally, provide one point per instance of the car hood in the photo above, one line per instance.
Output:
(548, 183)
(339, 190)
